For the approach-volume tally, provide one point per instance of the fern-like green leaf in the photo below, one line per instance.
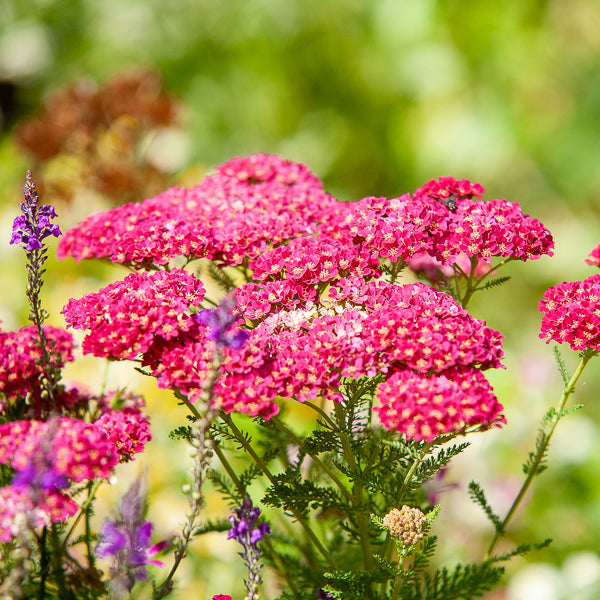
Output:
(478, 496)
(562, 367)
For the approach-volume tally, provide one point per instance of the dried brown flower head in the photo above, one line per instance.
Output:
(93, 136)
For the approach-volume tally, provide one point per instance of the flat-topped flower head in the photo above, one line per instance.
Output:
(125, 317)
(594, 257)
(20, 353)
(311, 260)
(127, 429)
(247, 207)
(141, 234)
(17, 506)
(442, 219)
(33, 225)
(260, 167)
(424, 407)
(572, 314)
(72, 448)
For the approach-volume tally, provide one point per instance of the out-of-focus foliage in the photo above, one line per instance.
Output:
(376, 97)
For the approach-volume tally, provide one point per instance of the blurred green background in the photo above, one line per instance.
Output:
(376, 97)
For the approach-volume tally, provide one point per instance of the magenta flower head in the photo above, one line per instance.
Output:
(126, 539)
(594, 257)
(221, 325)
(572, 314)
(33, 225)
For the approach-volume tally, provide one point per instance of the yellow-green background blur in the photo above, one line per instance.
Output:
(376, 97)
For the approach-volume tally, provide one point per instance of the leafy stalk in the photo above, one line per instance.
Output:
(542, 445)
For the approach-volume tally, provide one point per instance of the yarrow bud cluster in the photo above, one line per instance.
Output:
(405, 524)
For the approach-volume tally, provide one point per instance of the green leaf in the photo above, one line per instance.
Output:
(478, 496)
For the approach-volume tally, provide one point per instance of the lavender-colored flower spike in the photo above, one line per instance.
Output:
(127, 540)
(33, 225)
(221, 322)
(246, 531)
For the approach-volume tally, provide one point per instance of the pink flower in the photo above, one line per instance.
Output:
(311, 261)
(221, 597)
(127, 429)
(247, 207)
(17, 505)
(425, 407)
(71, 447)
(19, 353)
(442, 220)
(572, 314)
(265, 167)
(125, 317)
(594, 257)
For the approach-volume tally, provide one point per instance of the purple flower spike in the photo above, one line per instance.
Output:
(126, 540)
(246, 531)
(221, 323)
(33, 225)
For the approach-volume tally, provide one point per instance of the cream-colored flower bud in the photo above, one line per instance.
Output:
(405, 524)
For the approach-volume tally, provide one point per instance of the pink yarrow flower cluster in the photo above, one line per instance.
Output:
(572, 314)
(442, 220)
(426, 407)
(594, 257)
(125, 318)
(305, 353)
(19, 355)
(247, 207)
(46, 456)
(77, 450)
(311, 260)
(17, 509)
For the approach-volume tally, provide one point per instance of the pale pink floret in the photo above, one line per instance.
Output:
(572, 314)
(73, 448)
(125, 317)
(594, 257)
(426, 407)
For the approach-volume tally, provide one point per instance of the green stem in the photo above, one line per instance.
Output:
(258, 460)
(358, 491)
(83, 510)
(296, 440)
(546, 434)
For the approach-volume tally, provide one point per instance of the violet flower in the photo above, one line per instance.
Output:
(126, 539)
(246, 531)
(221, 323)
(33, 225)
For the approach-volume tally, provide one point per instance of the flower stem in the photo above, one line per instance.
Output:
(260, 463)
(546, 434)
